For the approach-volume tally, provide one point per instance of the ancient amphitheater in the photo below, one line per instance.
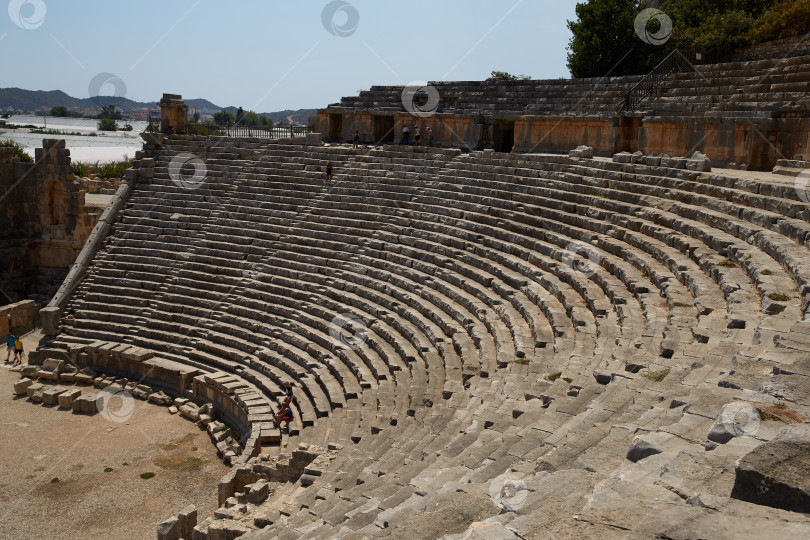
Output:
(483, 344)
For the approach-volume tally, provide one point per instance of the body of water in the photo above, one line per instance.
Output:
(104, 146)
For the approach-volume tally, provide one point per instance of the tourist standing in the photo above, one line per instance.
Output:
(405, 134)
(207, 145)
(417, 135)
(10, 344)
(329, 167)
(356, 139)
(430, 136)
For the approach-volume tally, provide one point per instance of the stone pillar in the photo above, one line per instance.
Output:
(50, 320)
(174, 113)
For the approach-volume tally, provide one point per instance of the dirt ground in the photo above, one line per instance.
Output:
(66, 475)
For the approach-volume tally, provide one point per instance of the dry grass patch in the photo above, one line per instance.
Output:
(656, 376)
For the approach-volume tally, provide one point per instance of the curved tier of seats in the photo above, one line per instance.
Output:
(447, 318)
(761, 88)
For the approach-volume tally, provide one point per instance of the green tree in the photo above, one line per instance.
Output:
(250, 118)
(196, 117)
(604, 40)
(504, 76)
(240, 115)
(59, 110)
(110, 112)
(223, 117)
(720, 26)
(107, 124)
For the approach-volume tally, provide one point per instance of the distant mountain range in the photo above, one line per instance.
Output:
(31, 100)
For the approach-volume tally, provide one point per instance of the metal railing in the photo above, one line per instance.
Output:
(237, 130)
(675, 61)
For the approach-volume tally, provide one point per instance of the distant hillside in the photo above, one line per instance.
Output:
(30, 100)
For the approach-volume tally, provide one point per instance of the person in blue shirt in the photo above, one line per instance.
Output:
(10, 343)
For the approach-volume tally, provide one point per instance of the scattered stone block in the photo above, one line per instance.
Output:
(699, 162)
(69, 374)
(191, 411)
(85, 376)
(622, 157)
(21, 386)
(141, 391)
(34, 392)
(653, 159)
(67, 397)
(173, 410)
(159, 398)
(180, 401)
(85, 404)
(581, 152)
(257, 492)
(51, 395)
(51, 369)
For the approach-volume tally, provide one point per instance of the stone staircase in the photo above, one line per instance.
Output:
(518, 321)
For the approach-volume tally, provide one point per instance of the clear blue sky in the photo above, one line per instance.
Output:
(272, 55)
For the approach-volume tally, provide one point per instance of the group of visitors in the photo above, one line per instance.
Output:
(15, 345)
(417, 136)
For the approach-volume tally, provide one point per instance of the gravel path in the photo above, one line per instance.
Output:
(99, 493)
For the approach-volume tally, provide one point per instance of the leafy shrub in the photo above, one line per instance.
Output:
(19, 150)
(112, 169)
(107, 124)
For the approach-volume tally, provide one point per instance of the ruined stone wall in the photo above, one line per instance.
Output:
(550, 134)
(741, 143)
(43, 222)
(19, 317)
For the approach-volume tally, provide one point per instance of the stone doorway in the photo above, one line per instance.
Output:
(504, 136)
(335, 127)
(383, 129)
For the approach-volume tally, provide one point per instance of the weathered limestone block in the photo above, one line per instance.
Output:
(50, 320)
(191, 411)
(581, 152)
(622, 157)
(188, 520)
(653, 159)
(314, 139)
(67, 398)
(51, 395)
(21, 386)
(169, 529)
(222, 529)
(257, 493)
(699, 162)
(85, 404)
(51, 369)
(159, 398)
(776, 473)
(34, 392)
